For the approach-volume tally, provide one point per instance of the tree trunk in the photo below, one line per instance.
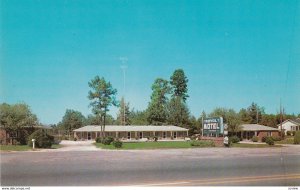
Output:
(104, 124)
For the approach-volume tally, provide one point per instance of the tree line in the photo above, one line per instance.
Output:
(167, 106)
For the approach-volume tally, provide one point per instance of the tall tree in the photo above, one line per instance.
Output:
(72, 120)
(96, 120)
(255, 112)
(157, 113)
(178, 113)
(220, 112)
(123, 117)
(139, 117)
(244, 116)
(14, 117)
(233, 121)
(179, 82)
(102, 95)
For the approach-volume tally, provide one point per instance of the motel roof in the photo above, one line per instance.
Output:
(121, 128)
(256, 127)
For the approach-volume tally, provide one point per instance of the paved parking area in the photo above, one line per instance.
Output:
(74, 146)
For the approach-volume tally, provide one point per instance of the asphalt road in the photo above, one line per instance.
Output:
(181, 167)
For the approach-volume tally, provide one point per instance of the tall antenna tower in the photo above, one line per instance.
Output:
(124, 67)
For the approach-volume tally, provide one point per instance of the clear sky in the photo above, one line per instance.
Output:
(233, 52)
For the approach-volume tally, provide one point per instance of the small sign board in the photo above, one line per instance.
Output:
(213, 127)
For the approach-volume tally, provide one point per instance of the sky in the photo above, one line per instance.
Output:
(232, 52)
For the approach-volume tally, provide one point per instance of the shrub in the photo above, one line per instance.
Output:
(203, 143)
(276, 138)
(254, 138)
(297, 138)
(234, 139)
(269, 141)
(263, 139)
(108, 140)
(288, 133)
(57, 140)
(75, 139)
(42, 139)
(117, 143)
(98, 140)
(155, 138)
(293, 133)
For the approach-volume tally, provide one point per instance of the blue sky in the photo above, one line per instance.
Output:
(233, 52)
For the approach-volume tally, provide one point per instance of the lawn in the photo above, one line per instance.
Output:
(14, 147)
(151, 145)
(238, 145)
(288, 140)
(23, 147)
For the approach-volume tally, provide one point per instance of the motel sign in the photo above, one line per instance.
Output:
(213, 127)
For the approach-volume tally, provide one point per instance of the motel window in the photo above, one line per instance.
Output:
(141, 135)
(175, 135)
(164, 135)
(128, 135)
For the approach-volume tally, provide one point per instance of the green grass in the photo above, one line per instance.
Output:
(56, 146)
(150, 145)
(238, 145)
(15, 147)
(288, 140)
(23, 147)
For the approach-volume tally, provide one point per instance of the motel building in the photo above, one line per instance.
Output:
(129, 132)
(247, 131)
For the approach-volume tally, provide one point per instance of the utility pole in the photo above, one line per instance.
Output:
(124, 67)
(281, 134)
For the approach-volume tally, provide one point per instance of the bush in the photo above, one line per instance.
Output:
(75, 139)
(276, 138)
(288, 133)
(254, 138)
(57, 140)
(263, 139)
(297, 138)
(42, 139)
(107, 140)
(117, 143)
(293, 133)
(234, 139)
(269, 141)
(155, 138)
(98, 140)
(202, 143)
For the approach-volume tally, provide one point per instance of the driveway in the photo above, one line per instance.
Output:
(74, 146)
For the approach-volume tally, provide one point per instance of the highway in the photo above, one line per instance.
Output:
(176, 167)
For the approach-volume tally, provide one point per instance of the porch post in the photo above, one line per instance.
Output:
(255, 133)
(117, 134)
(171, 134)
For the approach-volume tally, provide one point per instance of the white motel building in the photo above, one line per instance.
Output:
(130, 132)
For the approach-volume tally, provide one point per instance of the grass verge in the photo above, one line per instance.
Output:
(23, 147)
(152, 145)
(15, 147)
(238, 145)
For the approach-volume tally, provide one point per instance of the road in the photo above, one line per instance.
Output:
(181, 167)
